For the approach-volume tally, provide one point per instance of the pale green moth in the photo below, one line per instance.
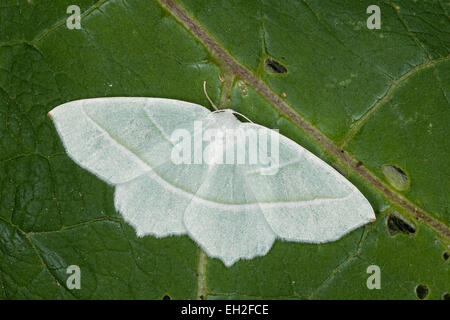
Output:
(232, 211)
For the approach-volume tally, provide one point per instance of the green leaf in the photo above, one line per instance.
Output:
(373, 103)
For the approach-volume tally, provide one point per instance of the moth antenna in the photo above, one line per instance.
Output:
(235, 112)
(207, 97)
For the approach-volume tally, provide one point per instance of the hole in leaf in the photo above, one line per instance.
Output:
(166, 297)
(396, 224)
(446, 296)
(273, 66)
(421, 291)
(396, 177)
(445, 255)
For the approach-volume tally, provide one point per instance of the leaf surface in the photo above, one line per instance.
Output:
(360, 99)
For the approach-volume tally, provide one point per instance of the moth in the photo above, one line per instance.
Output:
(165, 185)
